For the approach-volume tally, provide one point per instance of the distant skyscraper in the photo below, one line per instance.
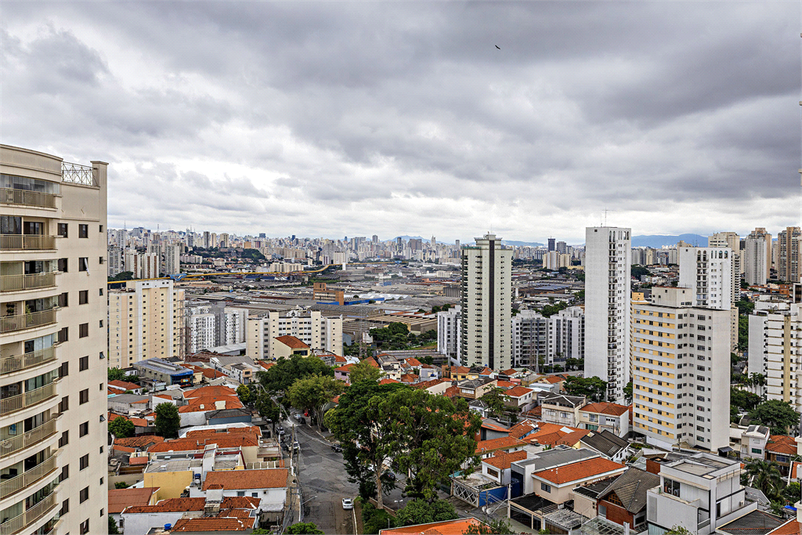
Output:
(448, 332)
(607, 307)
(757, 257)
(789, 254)
(486, 304)
(552, 244)
(561, 247)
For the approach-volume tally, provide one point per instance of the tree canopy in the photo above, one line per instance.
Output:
(286, 371)
(592, 387)
(167, 420)
(313, 392)
(303, 528)
(364, 372)
(423, 512)
(495, 400)
(116, 374)
(122, 427)
(777, 415)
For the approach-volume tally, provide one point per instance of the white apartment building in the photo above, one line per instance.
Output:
(789, 254)
(52, 344)
(556, 338)
(486, 300)
(757, 257)
(731, 241)
(200, 329)
(146, 320)
(142, 265)
(115, 260)
(681, 371)
(210, 325)
(170, 259)
(448, 333)
(607, 307)
(775, 350)
(312, 328)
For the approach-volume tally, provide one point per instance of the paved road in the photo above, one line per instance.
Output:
(324, 483)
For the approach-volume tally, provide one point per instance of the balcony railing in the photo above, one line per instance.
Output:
(27, 198)
(27, 399)
(10, 324)
(16, 363)
(19, 522)
(76, 173)
(30, 438)
(15, 283)
(26, 479)
(26, 242)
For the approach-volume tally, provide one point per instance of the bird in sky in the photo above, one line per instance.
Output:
(498, 47)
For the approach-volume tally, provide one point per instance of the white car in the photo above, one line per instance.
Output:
(348, 504)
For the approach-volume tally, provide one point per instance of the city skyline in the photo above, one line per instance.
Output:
(376, 117)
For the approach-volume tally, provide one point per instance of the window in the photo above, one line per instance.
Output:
(83, 264)
(84, 461)
(65, 473)
(64, 335)
(64, 440)
(100, 387)
(64, 370)
(240, 493)
(83, 330)
(62, 265)
(100, 291)
(63, 300)
(83, 397)
(62, 230)
(83, 363)
(64, 404)
(85, 523)
(757, 450)
(101, 482)
(65, 507)
(83, 231)
(83, 429)
(671, 487)
(84, 494)
(101, 228)
(545, 488)
(101, 260)
(100, 323)
(101, 452)
(83, 297)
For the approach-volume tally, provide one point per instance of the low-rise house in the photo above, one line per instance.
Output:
(562, 409)
(119, 499)
(556, 484)
(753, 442)
(492, 428)
(429, 372)
(270, 486)
(433, 386)
(121, 387)
(608, 444)
(162, 371)
(605, 416)
(624, 500)
(699, 493)
(519, 397)
(753, 523)
(552, 435)
(128, 404)
(289, 346)
(498, 467)
(142, 519)
(781, 449)
(343, 373)
(475, 388)
(553, 458)
(488, 448)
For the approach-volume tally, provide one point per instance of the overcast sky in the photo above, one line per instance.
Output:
(333, 118)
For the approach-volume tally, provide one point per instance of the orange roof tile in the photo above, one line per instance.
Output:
(197, 444)
(502, 460)
(265, 365)
(554, 379)
(612, 409)
(782, 444)
(140, 441)
(274, 478)
(206, 391)
(387, 381)
(579, 470)
(250, 430)
(553, 435)
(372, 362)
(449, 527)
(509, 372)
(125, 385)
(124, 449)
(521, 429)
(518, 391)
(113, 416)
(208, 403)
(119, 499)
(451, 391)
(139, 422)
(292, 342)
(408, 378)
(792, 527)
(202, 524)
(137, 461)
(179, 505)
(412, 361)
(504, 384)
(502, 443)
(345, 369)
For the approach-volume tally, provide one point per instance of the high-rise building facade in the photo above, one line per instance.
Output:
(320, 333)
(52, 344)
(536, 338)
(681, 370)
(448, 332)
(146, 320)
(731, 241)
(789, 254)
(757, 257)
(607, 307)
(486, 300)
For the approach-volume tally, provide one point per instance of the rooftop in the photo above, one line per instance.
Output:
(119, 499)
(753, 523)
(579, 470)
(248, 479)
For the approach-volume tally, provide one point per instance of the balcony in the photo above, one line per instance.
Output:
(19, 522)
(34, 436)
(15, 363)
(15, 283)
(10, 324)
(26, 479)
(26, 242)
(27, 399)
(27, 198)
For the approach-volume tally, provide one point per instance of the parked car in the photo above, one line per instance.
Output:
(348, 504)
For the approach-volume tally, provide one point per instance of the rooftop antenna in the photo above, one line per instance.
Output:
(605, 217)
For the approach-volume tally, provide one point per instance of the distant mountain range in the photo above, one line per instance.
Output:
(522, 243)
(659, 241)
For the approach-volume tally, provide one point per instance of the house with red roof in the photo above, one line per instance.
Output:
(343, 373)
(269, 485)
(289, 346)
(556, 484)
(448, 527)
(498, 467)
(605, 416)
(552, 435)
(212, 513)
(488, 448)
(781, 449)
(520, 397)
(121, 387)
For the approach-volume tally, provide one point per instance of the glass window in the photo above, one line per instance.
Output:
(83, 231)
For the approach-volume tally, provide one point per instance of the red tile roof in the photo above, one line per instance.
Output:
(198, 444)
(612, 409)
(518, 391)
(206, 391)
(208, 403)
(292, 342)
(502, 460)
(345, 369)
(521, 429)
(212, 524)
(119, 499)
(137, 461)
(180, 505)
(782, 444)
(372, 362)
(553, 435)
(141, 441)
(125, 385)
(553, 379)
(251, 430)
(792, 527)
(505, 384)
(412, 361)
(509, 372)
(449, 527)
(387, 381)
(579, 470)
(408, 378)
(503, 443)
(275, 478)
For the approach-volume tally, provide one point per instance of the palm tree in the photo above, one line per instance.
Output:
(765, 476)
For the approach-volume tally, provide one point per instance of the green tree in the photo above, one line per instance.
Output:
(495, 400)
(312, 393)
(423, 512)
(791, 493)
(365, 434)
(678, 530)
(777, 415)
(286, 371)
(743, 333)
(364, 372)
(637, 271)
(116, 374)
(122, 427)
(266, 407)
(495, 526)
(303, 528)
(245, 394)
(592, 387)
(123, 276)
(432, 436)
(167, 420)
(375, 520)
(113, 530)
(628, 392)
(121, 485)
(765, 476)
(745, 307)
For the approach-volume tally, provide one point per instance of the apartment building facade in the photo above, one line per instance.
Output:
(52, 344)
(146, 320)
(789, 254)
(320, 333)
(757, 257)
(448, 333)
(681, 364)
(556, 338)
(486, 301)
(607, 307)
